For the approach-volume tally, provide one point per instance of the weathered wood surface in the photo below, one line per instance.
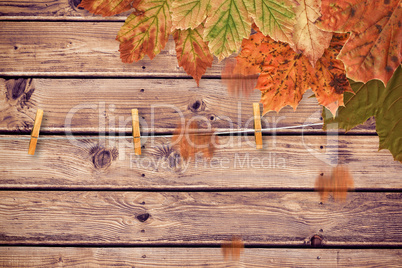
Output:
(50, 10)
(196, 257)
(179, 218)
(94, 105)
(286, 162)
(78, 49)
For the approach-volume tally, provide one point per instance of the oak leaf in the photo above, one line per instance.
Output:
(373, 99)
(307, 37)
(286, 75)
(338, 184)
(190, 140)
(192, 52)
(374, 49)
(145, 32)
(108, 7)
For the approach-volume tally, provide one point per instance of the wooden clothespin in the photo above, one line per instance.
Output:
(35, 132)
(257, 125)
(136, 132)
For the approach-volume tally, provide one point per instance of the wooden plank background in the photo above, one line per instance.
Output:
(90, 202)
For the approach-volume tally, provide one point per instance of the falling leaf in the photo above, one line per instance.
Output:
(237, 82)
(189, 13)
(146, 33)
(287, 75)
(226, 27)
(373, 99)
(338, 184)
(108, 7)
(232, 248)
(274, 18)
(308, 38)
(191, 139)
(374, 49)
(192, 52)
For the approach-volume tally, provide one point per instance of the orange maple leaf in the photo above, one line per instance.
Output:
(233, 248)
(338, 184)
(190, 140)
(286, 75)
(374, 49)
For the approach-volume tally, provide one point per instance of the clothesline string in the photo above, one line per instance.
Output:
(163, 136)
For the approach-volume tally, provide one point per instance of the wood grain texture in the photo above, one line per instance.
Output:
(78, 49)
(179, 218)
(104, 105)
(50, 10)
(286, 162)
(32, 257)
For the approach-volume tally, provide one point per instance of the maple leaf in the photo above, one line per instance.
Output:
(233, 248)
(286, 75)
(375, 48)
(189, 13)
(338, 184)
(307, 37)
(190, 140)
(192, 52)
(225, 28)
(145, 32)
(108, 7)
(274, 18)
(373, 99)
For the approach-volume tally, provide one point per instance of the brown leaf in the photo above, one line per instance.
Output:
(232, 248)
(338, 184)
(190, 140)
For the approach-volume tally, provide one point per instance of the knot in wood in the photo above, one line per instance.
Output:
(102, 158)
(19, 91)
(196, 105)
(316, 241)
(75, 3)
(143, 217)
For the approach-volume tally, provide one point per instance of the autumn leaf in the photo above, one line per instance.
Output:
(374, 49)
(108, 7)
(338, 184)
(191, 139)
(237, 80)
(274, 18)
(233, 248)
(286, 75)
(373, 99)
(145, 33)
(189, 13)
(192, 52)
(308, 38)
(226, 27)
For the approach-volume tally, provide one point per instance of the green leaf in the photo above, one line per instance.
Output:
(274, 18)
(189, 13)
(226, 27)
(373, 99)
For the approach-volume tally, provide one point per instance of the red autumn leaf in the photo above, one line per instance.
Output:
(338, 184)
(145, 32)
(108, 7)
(374, 49)
(191, 139)
(286, 75)
(192, 52)
(233, 248)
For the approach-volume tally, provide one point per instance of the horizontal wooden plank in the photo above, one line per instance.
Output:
(78, 49)
(180, 218)
(286, 162)
(196, 257)
(97, 105)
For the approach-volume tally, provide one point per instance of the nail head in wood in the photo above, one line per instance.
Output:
(257, 125)
(35, 132)
(136, 132)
